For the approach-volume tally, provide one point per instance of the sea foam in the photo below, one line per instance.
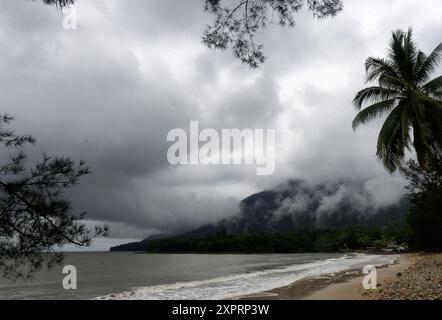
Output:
(253, 282)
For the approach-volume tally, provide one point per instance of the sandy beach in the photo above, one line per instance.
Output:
(413, 276)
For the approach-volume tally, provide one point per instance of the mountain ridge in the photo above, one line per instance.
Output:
(296, 206)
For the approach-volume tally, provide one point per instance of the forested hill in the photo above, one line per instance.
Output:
(296, 207)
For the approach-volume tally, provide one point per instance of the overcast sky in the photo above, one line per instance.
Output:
(110, 91)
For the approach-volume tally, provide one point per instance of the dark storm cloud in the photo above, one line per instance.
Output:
(110, 91)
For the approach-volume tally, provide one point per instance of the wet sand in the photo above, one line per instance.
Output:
(414, 276)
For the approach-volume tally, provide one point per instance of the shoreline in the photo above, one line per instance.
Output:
(345, 285)
(403, 276)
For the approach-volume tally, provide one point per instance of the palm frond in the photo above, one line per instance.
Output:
(390, 149)
(421, 127)
(374, 94)
(372, 112)
(428, 100)
(422, 142)
(385, 81)
(420, 60)
(410, 48)
(376, 67)
(405, 126)
(433, 86)
(403, 53)
(396, 54)
(430, 64)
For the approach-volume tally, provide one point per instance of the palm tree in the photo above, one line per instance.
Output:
(412, 101)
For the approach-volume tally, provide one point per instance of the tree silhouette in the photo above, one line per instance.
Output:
(425, 196)
(236, 26)
(59, 3)
(412, 101)
(35, 218)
